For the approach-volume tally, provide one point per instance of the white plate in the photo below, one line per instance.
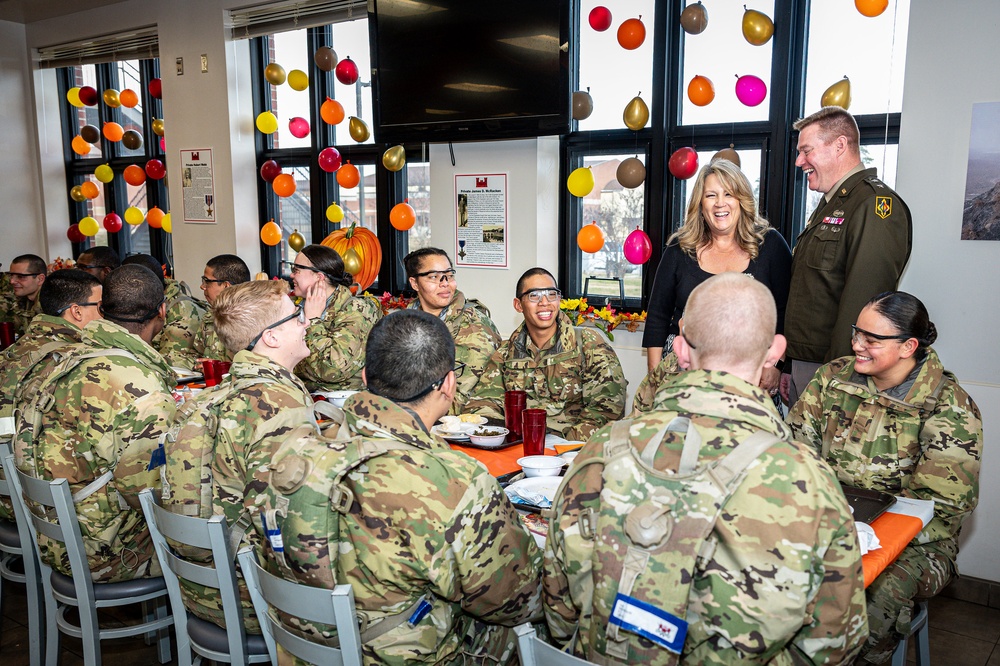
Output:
(185, 375)
(336, 397)
(450, 436)
(544, 485)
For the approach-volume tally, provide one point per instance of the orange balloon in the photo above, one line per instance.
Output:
(113, 131)
(134, 175)
(128, 98)
(80, 145)
(701, 92)
(270, 233)
(348, 176)
(402, 216)
(284, 184)
(332, 112)
(155, 217)
(871, 8)
(90, 189)
(631, 33)
(591, 238)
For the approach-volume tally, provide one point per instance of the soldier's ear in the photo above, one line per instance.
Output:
(775, 351)
(908, 348)
(517, 305)
(683, 351)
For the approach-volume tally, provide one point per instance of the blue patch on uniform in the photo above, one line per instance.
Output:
(157, 459)
(650, 622)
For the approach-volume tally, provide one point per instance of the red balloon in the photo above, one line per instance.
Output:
(74, 235)
(88, 96)
(269, 170)
(347, 72)
(156, 88)
(112, 222)
(600, 18)
(683, 163)
(329, 159)
(299, 127)
(155, 169)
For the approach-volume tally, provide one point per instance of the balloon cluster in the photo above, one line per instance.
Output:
(112, 222)
(131, 138)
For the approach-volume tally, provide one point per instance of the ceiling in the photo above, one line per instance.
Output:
(30, 11)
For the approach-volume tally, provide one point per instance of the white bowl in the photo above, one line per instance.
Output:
(495, 439)
(337, 398)
(541, 465)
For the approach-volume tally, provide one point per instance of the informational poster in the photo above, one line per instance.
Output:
(198, 185)
(481, 220)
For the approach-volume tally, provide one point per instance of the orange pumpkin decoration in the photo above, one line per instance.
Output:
(365, 244)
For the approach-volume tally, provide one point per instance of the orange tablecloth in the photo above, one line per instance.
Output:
(894, 532)
(503, 461)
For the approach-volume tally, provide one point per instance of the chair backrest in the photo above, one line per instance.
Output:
(536, 652)
(211, 535)
(332, 607)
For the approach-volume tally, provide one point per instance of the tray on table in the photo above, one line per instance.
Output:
(867, 505)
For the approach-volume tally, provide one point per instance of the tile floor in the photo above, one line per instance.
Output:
(961, 634)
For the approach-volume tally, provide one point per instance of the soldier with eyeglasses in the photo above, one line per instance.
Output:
(27, 274)
(569, 371)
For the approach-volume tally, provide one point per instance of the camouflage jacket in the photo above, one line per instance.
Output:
(784, 582)
(206, 343)
(903, 447)
(426, 520)
(23, 312)
(576, 378)
(109, 415)
(184, 314)
(645, 395)
(7, 298)
(476, 338)
(336, 342)
(45, 335)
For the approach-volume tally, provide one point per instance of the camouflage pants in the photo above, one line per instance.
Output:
(919, 573)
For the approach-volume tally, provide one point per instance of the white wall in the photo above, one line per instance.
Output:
(950, 69)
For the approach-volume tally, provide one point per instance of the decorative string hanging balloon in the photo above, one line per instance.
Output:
(631, 33)
(636, 114)
(871, 8)
(274, 74)
(694, 19)
(332, 112)
(583, 104)
(347, 72)
(701, 90)
(600, 18)
(839, 94)
(402, 216)
(334, 213)
(394, 158)
(631, 173)
(638, 248)
(325, 59)
(757, 27)
(750, 90)
(329, 159)
(683, 163)
(270, 234)
(298, 80)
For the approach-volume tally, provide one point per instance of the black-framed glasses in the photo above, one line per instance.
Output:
(298, 268)
(870, 339)
(438, 276)
(541, 294)
(299, 314)
(13, 275)
(63, 309)
(208, 280)
(458, 370)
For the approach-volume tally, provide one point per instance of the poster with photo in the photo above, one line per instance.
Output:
(981, 210)
(481, 220)
(198, 186)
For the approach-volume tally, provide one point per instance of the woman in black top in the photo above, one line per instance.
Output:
(722, 232)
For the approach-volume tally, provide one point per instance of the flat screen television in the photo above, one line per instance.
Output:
(469, 70)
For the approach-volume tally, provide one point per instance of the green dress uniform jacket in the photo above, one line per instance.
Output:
(854, 247)
(576, 378)
(784, 583)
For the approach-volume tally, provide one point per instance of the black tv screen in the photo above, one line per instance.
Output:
(469, 70)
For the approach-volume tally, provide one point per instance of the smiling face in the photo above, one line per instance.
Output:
(719, 207)
(22, 284)
(820, 161)
(539, 318)
(434, 294)
(302, 280)
(879, 358)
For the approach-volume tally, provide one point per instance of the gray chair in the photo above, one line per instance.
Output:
(536, 652)
(919, 627)
(15, 546)
(231, 644)
(332, 607)
(56, 518)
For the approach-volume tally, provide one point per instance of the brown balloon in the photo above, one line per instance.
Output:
(583, 105)
(90, 134)
(727, 154)
(325, 58)
(394, 158)
(636, 114)
(757, 27)
(631, 173)
(359, 130)
(694, 19)
(839, 94)
(132, 140)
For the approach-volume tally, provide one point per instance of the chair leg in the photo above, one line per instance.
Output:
(163, 641)
(91, 636)
(36, 620)
(51, 626)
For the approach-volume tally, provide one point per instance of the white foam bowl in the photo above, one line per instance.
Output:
(338, 397)
(488, 440)
(541, 465)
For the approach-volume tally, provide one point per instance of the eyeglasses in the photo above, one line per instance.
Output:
(299, 314)
(208, 280)
(686, 338)
(89, 267)
(458, 370)
(22, 276)
(873, 340)
(539, 295)
(438, 276)
(82, 305)
(298, 268)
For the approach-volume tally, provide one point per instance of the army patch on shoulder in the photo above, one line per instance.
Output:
(883, 206)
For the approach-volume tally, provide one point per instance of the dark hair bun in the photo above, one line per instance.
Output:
(931, 334)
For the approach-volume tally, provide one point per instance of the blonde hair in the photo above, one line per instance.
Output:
(833, 121)
(695, 234)
(731, 318)
(243, 310)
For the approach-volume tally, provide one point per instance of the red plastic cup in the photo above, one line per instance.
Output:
(209, 369)
(6, 334)
(514, 402)
(533, 431)
(222, 367)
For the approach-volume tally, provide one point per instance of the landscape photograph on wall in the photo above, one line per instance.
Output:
(981, 212)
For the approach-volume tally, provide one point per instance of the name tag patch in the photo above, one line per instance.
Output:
(650, 622)
(833, 220)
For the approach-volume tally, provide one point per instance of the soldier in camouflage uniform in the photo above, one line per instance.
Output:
(570, 372)
(892, 419)
(7, 298)
(222, 271)
(338, 321)
(645, 394)
(27, 274)
(783, 584)
(432, 276)
(425, 520)
(110, 412)
(265, 335)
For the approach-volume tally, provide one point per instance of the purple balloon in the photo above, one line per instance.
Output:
(329, 159)
(299, 127)
(638, 248)
(751, 90)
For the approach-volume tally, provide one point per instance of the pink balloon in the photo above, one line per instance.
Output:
(329, 159)
(600, 18)
(163, 144)
(638, 248)
(299, 127)
(751, 90)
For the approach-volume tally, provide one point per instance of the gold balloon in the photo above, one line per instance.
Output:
(727, 154)
(694, 19)
(76, 193)
(352, 262)
(394, 158)
(839, 94)
(158, 126)
(111, 98)
(359, 130)
(275, 74)
(583, 105)
(636, 114)
(757, 27)
(296, 241)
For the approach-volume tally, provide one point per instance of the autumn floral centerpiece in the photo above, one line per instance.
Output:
(606, 318)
